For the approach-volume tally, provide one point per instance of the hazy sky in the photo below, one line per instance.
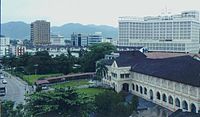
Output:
(59, 12)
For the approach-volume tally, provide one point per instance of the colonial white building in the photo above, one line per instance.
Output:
(171, 33)
(173, 83)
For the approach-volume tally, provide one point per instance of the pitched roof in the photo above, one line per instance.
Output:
(159, 55)
(183, 69)
(126, 58)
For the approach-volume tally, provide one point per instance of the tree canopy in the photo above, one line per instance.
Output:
(112, 104)
(60, 103)
(97, 52)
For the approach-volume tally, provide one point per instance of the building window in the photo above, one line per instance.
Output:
(158, 95)
(164, 98)
(133, 86)
(145, 91)
(114, 75)
(127, 75)
(136, 87)
(185, 105)
(141, 89)
(170, 100)
(177, 102)
(121, 75)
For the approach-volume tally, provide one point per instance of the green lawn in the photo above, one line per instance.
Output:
(92, 91)
(73, 83)
(31, 79)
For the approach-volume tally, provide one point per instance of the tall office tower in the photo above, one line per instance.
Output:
(79, 39)
(40, 32)
(95, 38)
(170, 33)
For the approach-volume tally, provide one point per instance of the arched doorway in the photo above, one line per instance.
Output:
(151, 94)
(185, 105)
(125, 87)
(170, 100)
(177, 102)
(164, 98)
(158, 95)
(141, 90)
(193, 108)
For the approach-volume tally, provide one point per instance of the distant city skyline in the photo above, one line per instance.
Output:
(100, 12)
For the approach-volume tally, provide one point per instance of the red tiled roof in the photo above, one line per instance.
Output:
(38, 82)
(156, 55)
(71, 75)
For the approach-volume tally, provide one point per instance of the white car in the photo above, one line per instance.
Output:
(4, 81)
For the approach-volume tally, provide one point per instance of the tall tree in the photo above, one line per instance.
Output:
(97, 52)
(101, 69)
(59, 103)
(112, 104)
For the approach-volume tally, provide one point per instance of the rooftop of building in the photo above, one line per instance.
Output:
(159, 55)
(183, 69)
(179, 68)
(192, 15)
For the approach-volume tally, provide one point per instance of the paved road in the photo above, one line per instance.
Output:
(15, 89)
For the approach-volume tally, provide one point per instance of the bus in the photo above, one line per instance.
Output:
(2, 91)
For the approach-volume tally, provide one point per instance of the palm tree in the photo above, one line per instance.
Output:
(101, 70)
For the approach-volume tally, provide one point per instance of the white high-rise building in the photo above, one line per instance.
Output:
(4, 46)
(57, 40)
(174, 33)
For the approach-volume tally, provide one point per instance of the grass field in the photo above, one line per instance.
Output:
(73, 83)
(31, 79)
(92, 91)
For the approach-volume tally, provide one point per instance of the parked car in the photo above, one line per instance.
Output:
(1, 76)
(2, 90)
(45, 88)
(4, 81)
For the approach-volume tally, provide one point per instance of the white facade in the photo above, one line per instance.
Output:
(95, 38)
(169, 94)
(4, 46)
(175, 33)
(57, 40)
(56, 51)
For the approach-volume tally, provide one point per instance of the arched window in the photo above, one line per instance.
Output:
(158, 95)
(137, 88)
(185, 105)
(145, 90)
(170, 100)
(193, 108)
(177, 102)
(133, 86)
(151, 94)
(164, 98)
(141, 89)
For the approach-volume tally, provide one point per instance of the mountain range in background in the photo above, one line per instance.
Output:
(21, 30)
